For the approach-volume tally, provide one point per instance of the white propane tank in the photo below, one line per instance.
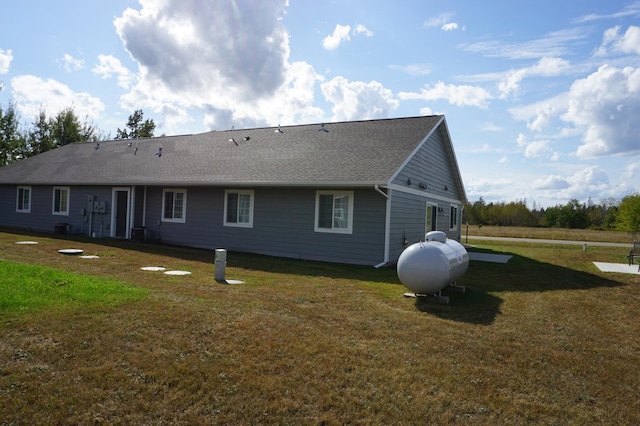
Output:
(428, 267)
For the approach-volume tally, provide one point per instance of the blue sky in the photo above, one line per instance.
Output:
(542, 98)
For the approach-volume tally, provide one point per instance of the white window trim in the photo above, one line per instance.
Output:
(23, 210)
(454, 217)
(183, 219)
(249, 192)
(53, 203)
(349, 228)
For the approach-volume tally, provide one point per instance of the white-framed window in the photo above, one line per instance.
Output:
(23, 199)
(334, 211)
(238, 208)
(453, 218)
(60, 201)
(174, 205)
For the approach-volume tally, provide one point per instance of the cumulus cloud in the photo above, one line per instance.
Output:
(551, 182)
(545, 67)
(340, 33)
(70, 63)
(32, 92)
(343, 33)
(109, 66)
(442, 21)
(463, 95)
(537, 148)
(605, 106)
(199, 49)
(614, 42)
(361, 29)
(358, 100)
(581, 185)
(6, 57)
(228, 59)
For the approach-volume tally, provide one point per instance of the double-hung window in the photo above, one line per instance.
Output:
(23, 202)
(238, 208)
(334, 211)
(60, 200)
(174, 205)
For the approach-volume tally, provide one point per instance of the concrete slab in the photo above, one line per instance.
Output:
(622, 268)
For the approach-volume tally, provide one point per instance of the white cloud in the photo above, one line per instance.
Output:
(605, 106)
(413, 69)
(614, 42)
(630, 42)
(450, 26)
(462, 95)
(551, 182)
(32, 93)
(439, 20)
(632, 9)
(504, 160)
(554, 44)
(343, 33)
(192, 54)
(6, 57)
(358, 100)
(546, 67)
(340, 33)
(631, 171)
(194, 49)
(70, 63)
(361, 29)
(537, 149)
(108, 66)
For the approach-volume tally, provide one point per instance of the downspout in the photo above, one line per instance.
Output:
(387, 225)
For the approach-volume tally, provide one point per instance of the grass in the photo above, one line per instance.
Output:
(549, 233)
(544, 339)
(33, 288)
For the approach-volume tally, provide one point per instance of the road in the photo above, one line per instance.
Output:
(536, 240)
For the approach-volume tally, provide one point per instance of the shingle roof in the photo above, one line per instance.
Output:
(356, 152)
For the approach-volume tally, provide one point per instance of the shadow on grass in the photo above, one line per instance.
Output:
(249, 261)
(484, 281)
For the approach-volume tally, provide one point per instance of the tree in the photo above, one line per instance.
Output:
(66, 128)
(628, 215)
(137, 127)
(11, 141)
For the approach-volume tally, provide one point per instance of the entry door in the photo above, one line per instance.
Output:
(432, 217)
(120, 217)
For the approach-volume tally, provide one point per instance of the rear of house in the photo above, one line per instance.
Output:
(352, 192)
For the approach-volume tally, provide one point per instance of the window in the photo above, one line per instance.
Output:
(23, 203)
(334, 212)
(174, 205)
(453, 219)
(238, 208)
(61, 200)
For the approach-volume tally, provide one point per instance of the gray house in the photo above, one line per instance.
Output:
(351, 192)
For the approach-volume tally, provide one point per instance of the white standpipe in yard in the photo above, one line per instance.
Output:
(431, 265)
(220, 264)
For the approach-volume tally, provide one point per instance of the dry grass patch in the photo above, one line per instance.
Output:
(544, 339)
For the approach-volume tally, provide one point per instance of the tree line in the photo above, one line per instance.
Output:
(20, 140)
(610, 214)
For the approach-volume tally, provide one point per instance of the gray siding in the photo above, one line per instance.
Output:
(430, 165)
(41, 217)
(283, 225)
